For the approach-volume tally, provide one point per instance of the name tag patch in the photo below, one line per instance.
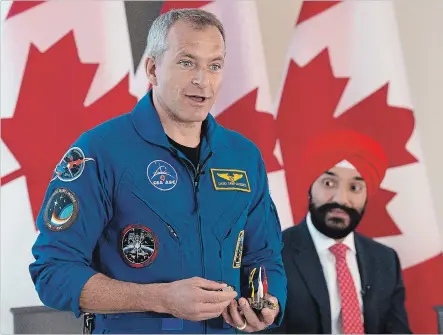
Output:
(230, 180)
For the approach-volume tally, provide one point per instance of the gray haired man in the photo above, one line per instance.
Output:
(154, 221)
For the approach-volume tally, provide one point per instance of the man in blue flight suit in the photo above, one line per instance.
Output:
(149, 216)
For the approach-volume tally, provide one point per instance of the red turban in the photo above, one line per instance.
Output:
(324, 152)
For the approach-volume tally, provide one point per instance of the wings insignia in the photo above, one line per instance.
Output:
(233, 178)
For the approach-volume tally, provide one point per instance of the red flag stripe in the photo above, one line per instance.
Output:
(424, 291)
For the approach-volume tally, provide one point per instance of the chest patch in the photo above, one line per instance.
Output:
(138, 246)
(230, 180)
(162, 175)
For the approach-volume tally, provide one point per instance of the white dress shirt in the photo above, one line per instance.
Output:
(327, 259)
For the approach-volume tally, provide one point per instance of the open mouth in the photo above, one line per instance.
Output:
(197, 98)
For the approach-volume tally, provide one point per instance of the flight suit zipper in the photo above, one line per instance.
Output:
(195, 178)
(199, 172)
(172, 231)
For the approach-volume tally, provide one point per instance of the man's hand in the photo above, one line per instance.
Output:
(241, 315)
(195, 299)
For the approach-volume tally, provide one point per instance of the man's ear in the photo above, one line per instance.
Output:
(151, 71)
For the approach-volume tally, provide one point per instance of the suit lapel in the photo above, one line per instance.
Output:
(306, 259)
(368, 268)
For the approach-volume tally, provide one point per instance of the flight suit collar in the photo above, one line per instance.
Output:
(147, 124)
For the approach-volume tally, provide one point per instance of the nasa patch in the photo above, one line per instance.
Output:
(61, 210)
(71, 165)
(162, 175)
(138, 245)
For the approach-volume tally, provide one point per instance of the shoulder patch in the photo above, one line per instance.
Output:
(61, 210)
(230, 180)
(71, 165)
(138, 245)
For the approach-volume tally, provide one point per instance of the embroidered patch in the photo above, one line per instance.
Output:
(238, 250)
(138, 246)
(71, 165)
(229, 179)
(61, 210)
(162, 175)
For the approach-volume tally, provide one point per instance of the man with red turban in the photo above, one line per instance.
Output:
(340, 281)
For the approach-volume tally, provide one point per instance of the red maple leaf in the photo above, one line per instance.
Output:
(310, 9)
(18, 7)
(50, 114)
(259, 127)
(309, 99)
(168, 5)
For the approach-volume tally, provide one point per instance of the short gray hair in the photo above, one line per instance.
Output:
(156, 42)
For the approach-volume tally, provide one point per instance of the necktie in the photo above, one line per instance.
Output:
(350, 309)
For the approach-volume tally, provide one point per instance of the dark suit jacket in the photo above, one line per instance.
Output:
(307, 307)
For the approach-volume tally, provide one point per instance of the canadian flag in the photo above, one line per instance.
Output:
(345, 69)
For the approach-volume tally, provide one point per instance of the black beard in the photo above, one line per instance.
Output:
(318, 217)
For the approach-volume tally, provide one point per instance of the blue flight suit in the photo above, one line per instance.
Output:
(125, 203)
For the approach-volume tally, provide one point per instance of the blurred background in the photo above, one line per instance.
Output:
(375, 66)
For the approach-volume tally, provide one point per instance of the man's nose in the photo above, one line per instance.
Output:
(342, 197)
(201, 78)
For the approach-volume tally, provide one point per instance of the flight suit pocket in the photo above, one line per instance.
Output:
(149, 242)
(230, 233)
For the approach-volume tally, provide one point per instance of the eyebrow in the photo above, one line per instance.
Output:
(188, 55)
(219, 58)
(184, 54)
(333, 174)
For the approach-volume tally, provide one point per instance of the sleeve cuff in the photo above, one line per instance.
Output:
(82, 276)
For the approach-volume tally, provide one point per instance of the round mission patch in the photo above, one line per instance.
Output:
(138, 246)
(71, 165)
(61, 210)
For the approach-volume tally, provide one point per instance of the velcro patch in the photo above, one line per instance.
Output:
(230, 180)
